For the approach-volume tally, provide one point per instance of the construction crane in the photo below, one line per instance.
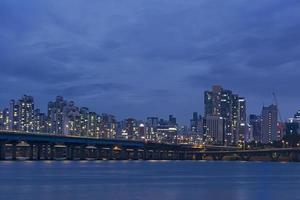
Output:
(280, 125)
(276, 103)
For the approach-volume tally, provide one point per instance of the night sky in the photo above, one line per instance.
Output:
(140, 58)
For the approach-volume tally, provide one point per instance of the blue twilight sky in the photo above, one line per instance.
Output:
(141, 58)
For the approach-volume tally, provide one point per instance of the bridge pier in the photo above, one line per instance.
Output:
(161, 155)
(217, 157)
(52, 152)
(123, 154)
(294, 157)
(99, 154)
(198, 156)
(70, 153)
(245, 157)
(145, 154)
(2, 151)
(135, 154)
(31, 149)
(39, 151)
(150, 154)
(185, 155)
(46, 151)
(274, 156)
(14, 151)
(108, 153)
(82, 155)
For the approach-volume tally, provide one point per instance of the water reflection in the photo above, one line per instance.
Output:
(148, 180)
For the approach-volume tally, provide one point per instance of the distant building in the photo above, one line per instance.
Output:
(255, 123)
(93, 125)
(292, 127)
(14, 116)
(196, 128)
(214, 129)
(297, 116)
(269, 124)
(130, 129)
(167, 133)
(151, 128)
(142, 131)
(172, 120)
(162, 130)
(4, 119)
(108, 126)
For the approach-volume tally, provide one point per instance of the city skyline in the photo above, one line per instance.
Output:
(224, 121)
(183, 120)
(150, 57)
(149, 99)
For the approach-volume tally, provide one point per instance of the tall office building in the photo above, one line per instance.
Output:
(230, 107)
(269, 124)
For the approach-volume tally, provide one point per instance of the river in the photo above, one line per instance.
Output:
(148, 180)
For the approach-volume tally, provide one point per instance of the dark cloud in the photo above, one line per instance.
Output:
(139, 58)
(88, 89)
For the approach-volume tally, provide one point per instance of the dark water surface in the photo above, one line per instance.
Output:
(148, 180)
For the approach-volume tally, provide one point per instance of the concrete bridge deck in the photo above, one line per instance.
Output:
(14, 145)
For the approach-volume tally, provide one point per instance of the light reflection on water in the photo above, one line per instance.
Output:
(148, 180)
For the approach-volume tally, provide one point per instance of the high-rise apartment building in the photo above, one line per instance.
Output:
(231, 108)
(56, 115)
(22, 114)
(269, 123)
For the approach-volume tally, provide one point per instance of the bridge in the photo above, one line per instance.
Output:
(33, 146)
